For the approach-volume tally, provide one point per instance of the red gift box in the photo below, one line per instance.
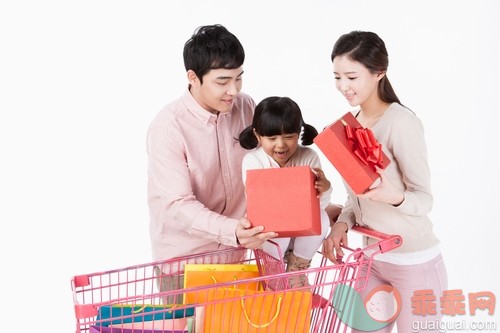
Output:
(284, 200)
(353, 151)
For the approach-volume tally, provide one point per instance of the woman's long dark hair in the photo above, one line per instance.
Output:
(275, 116)
(368, 49)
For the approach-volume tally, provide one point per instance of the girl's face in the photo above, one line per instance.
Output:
(354, 81)
(279, 147)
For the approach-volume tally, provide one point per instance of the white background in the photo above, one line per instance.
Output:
(80, 82)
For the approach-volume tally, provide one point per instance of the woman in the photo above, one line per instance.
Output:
(401, 202)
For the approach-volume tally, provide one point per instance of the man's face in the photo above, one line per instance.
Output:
(218, 90)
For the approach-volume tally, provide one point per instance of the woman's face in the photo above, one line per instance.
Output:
(355, 81)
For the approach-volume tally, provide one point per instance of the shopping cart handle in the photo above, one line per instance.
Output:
(387, 242)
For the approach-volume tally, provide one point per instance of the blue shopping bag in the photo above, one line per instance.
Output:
(121, 314)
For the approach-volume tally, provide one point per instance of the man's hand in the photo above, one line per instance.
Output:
(252, 238)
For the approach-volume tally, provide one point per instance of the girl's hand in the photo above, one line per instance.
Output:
(321, 184)
(385, 191)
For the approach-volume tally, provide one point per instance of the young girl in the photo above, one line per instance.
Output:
(400, 204)
(277, 125)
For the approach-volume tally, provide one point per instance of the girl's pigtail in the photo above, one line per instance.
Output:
(308, 134)
(247, 138)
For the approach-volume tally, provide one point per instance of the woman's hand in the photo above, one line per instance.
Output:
(332, 244)
(385, 191)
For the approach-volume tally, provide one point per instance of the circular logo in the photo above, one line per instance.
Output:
(380, 307)
(383, 303)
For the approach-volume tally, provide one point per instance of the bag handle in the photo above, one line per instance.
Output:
(235, 278)
(278, 309)
(160, 306)
(139, 310)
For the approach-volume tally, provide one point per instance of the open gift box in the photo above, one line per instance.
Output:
(353, 151)
(284, 200)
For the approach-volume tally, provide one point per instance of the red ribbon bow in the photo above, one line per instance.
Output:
(365, 145)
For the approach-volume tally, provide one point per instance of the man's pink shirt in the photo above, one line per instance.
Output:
(195, 190)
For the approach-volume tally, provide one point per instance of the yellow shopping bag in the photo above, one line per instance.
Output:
(246, 311)
(208, 274)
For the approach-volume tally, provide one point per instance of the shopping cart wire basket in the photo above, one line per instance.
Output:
(150, 297)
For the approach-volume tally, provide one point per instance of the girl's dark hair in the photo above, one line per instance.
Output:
(212, 47)
(368, 49)
(275, 116)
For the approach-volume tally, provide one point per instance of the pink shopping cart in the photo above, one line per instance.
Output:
(133, 299)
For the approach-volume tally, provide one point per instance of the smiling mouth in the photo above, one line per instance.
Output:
(281, 153)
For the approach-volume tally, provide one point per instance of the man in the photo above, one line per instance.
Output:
(195, 192)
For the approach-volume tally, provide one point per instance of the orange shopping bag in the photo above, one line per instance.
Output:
(208, 274)
(247, 311)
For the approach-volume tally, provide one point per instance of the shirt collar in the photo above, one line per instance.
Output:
(196, 109)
